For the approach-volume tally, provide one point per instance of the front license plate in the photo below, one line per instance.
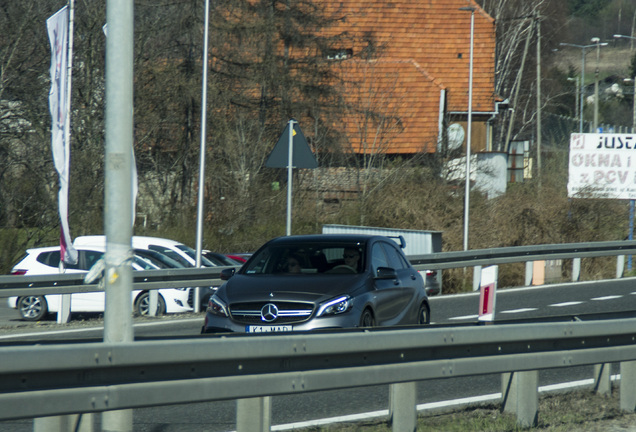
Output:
(268, 329)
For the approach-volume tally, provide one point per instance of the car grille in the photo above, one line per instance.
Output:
(288, 312)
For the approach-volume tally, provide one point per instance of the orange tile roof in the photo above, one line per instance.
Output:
(406, 98)
(429, 42)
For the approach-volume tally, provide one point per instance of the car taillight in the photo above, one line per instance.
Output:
(431, 273)
(18, 272)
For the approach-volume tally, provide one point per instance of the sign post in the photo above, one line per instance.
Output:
(291, 151)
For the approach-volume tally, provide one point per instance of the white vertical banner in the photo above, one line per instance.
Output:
(488, 293)
(58, 30)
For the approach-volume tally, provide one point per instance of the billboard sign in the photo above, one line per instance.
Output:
(602, 166)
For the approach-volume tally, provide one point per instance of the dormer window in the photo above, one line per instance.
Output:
(339, 54)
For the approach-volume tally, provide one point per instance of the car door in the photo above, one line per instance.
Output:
(410, 281)
(87, 301)
(389, 293)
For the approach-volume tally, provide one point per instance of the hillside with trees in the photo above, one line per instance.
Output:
(254, 88)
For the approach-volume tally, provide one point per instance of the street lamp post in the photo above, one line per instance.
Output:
(631, 202)
(632, 38)
(598, 44)
(577, 112)
(582, 95)
(470, 123)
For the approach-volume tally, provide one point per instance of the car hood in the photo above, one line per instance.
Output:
(305, 288)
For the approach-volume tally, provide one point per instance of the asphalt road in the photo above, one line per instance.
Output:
(583, 300)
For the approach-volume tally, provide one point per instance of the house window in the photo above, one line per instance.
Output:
(339, 54)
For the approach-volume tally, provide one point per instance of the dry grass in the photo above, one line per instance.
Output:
(581, 411)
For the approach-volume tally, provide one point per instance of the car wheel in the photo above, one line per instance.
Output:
(424, 315)
(142, 304)
(366, 319)
(32, 308)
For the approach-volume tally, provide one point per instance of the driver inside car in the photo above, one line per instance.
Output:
(352, 258)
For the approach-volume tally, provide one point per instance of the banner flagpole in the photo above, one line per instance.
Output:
(70, 255)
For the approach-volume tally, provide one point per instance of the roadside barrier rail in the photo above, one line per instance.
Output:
(38, 381)
(210, 276)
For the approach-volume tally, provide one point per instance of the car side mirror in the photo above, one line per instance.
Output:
(386, 273)
(227, 273)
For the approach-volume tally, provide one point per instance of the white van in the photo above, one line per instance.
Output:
(175, 250)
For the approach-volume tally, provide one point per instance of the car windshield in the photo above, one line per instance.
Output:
(193, 254)
(313, 258)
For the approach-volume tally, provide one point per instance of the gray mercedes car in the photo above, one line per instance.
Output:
(322, 281)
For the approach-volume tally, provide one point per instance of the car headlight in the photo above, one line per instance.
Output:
(335, 306)
(217, 307)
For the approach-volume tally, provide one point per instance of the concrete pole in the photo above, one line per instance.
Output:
(469, 132)
(118, 188)
(582, 95)
(538, 22)
(204, 107)
(290, 169)
(596, 73)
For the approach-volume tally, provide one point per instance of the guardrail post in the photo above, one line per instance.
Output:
(620, 266)
(628, 386)
(64, 312)
(602, 379)
(254, 414)
(529, 269)
(402, 407)
(576, 269)
(520, 394)
(65, 423)
(476, 277)
(153, 299)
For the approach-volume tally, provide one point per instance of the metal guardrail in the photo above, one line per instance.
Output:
(506, 255)
(210, 276)
(95, 377)
(83, 378)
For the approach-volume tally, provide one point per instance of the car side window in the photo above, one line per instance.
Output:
(51, 259)
(90, 258)
(78, 264)
(394, 257)
(378, 258)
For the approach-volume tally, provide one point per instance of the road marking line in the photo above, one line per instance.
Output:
(610, 297)
(566, 304)
(465, 317)
(514, 311)
(89, 329)
(431, 406)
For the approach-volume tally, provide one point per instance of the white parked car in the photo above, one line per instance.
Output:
(45, 260)
(175, 250)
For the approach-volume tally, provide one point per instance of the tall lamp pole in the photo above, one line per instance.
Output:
(204, 106)
(582, 91)
(631, 202)
(632, 38)
(598, 44)
(577, 112)
(470, 124)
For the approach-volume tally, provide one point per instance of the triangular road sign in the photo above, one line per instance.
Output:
(302, 157)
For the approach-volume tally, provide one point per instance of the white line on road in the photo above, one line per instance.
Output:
(90, 329)
(514, 311)
(465, 317)
(430, 406)
(574, 303)
(610, 297)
